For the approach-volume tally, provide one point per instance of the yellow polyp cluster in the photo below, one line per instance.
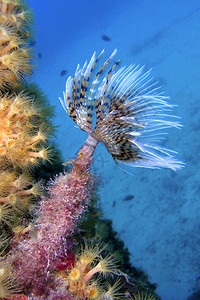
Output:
(22, 140)
(84, 280)
(16, 192)
(7, 284)
(6, 214)
(15, 54)
(24, 127)
(94, 291)
(75, 274)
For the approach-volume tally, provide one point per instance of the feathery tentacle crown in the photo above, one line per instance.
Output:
(125, 110)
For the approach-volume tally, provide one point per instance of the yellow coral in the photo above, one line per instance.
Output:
(7, 285)
(144, 296)
(16, 192)
(23, 128)
(15, 53)
(82, 280)
(21, 138)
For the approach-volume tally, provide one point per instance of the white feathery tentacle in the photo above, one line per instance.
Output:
(130, 112)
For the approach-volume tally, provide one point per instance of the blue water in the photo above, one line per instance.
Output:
(160, 226)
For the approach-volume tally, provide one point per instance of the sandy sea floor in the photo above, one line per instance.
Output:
(160, 224)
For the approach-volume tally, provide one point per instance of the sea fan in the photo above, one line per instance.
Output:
(124, 109)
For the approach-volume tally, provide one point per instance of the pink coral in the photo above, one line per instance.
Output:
(36, 259)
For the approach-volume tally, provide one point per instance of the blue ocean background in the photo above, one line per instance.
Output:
(160, 225)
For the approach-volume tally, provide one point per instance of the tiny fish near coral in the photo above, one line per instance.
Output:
(124, 109)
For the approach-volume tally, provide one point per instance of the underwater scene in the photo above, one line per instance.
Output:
(99, 120)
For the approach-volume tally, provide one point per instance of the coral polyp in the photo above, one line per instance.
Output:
(21, 138)
(15, 53)
(24, 135)
(82, 278)
(8, 286)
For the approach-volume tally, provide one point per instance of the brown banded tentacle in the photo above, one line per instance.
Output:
(71, 109)
(104, 102)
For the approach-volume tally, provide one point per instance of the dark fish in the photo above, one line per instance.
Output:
(63, 72)
(128, 198)
(105, 38)
(39, 55)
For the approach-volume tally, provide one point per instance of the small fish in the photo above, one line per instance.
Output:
(105, 38)
(122, 108)
(63, 72)
(39, 55)
(129, 197)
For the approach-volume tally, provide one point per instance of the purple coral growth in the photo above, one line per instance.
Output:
(36, 259)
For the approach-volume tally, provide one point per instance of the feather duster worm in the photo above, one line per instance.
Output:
(124, 109)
